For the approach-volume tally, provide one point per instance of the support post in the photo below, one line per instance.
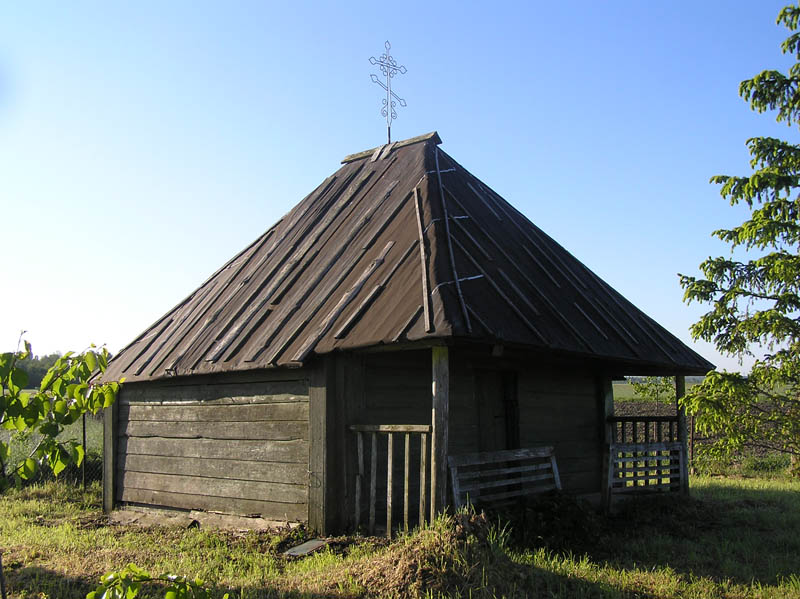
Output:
(349, 408)
(110, 420)
(440, 395)
(605, 409)
(323, 508)
(680, 391)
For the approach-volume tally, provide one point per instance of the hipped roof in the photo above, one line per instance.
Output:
(400, 244)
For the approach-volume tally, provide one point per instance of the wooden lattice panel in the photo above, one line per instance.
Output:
(645, 467)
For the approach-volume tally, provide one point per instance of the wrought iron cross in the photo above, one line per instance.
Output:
(389, 68)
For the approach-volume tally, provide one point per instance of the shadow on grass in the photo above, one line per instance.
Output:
(744, 535)
(33, 581)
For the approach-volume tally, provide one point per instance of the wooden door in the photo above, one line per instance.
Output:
(496, 400)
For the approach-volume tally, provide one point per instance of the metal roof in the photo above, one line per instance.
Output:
(400, 244)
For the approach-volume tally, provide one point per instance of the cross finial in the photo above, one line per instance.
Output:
(389, 69)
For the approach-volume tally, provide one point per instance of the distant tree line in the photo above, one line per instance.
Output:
(37, 366)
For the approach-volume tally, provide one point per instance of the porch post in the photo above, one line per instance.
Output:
(605, 404)
(324, 493)
(110, 432)
(680, 391)
(440, 395)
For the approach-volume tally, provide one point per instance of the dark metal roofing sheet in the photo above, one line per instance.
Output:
(369, 258)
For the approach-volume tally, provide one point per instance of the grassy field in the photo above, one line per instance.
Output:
(623, 391)
(733, 538)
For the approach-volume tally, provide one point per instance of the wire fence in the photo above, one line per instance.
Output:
(88, 431)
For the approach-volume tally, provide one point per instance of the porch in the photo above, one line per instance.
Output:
(415, 411)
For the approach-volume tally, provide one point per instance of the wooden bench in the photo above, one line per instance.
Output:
(498, 477)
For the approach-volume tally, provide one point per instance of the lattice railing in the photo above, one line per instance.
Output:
(642, 467)
(643, 429)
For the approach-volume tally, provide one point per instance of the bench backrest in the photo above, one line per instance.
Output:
(496, 477)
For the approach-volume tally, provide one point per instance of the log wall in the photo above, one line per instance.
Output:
(233, 447)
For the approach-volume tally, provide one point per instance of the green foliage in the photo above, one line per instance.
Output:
(64, 394)
(126, 584)
(654, 388)
(755, 303)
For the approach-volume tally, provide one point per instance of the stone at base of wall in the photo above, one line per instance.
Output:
(150, 516)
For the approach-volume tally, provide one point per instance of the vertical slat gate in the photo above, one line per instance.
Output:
(389, 431)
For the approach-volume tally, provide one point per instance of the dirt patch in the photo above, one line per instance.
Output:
(644, 408)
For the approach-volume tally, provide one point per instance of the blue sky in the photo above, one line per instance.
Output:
(143, 144)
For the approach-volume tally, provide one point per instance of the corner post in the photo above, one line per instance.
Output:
(110, 482)
(440, 407)
(605, 409)
(680, 391)
(323, 456)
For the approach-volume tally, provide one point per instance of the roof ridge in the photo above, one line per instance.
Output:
(433, 135)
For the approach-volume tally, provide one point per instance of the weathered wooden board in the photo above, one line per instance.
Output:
(197, 485)
(560, 408)
(440, 448)
(265, 451)
(227, 505)
(233, 447)
(555, 416)
(272, 391)
(217, 468)
(398, 387)
(209, 413)
(281, 430)
(555, 384)
(391, 428)
(491, 457)
(110, 485)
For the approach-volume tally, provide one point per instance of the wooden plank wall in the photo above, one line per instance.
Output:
(397, 388)
(559, 408)
(233, 447)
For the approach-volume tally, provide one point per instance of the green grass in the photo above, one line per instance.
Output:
(623, 391)
(733, 538)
